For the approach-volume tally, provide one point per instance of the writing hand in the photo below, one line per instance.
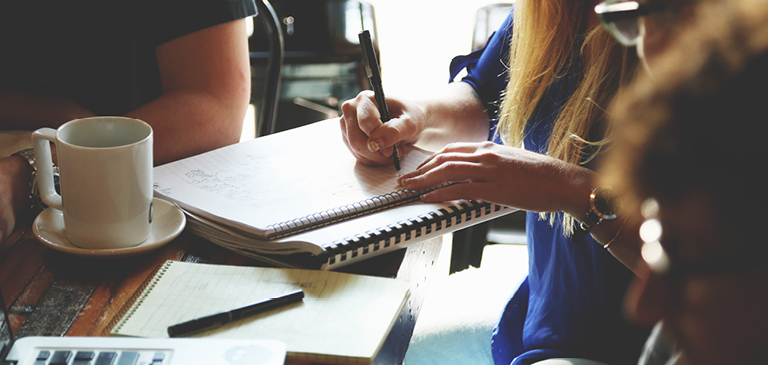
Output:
(370, 140)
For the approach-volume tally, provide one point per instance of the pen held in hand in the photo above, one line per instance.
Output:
(374, 78)
(220, 319)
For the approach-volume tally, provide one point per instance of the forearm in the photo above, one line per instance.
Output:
(456, 115)
(620, 234)
(624, 240)
(188, 123)
(15, 174)
(22, 111)
(571, 196)
(14, 189)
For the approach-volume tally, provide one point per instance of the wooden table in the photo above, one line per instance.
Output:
(50, 293)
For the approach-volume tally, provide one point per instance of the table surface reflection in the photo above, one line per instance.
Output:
(50, 293)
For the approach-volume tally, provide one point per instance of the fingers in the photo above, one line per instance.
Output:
(459, 147)
(369, 140)
(368, 116)
(357, 115)
(470, 170)
(450, 161)
(450, 168)
(360, 157)
(383, 138)
(456, 192)
(466, 147)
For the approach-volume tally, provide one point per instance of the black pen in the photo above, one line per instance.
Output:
(374, 77)
(219, 319)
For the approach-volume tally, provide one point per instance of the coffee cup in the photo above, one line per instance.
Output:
(105, 179)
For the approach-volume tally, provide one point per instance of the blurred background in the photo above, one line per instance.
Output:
(322, 68)
(418, 39)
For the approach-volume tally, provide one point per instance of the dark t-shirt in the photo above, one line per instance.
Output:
(99, 53)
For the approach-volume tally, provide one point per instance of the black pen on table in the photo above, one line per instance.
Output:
(374, 77)
(220, 319)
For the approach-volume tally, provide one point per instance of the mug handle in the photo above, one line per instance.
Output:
(41, 139)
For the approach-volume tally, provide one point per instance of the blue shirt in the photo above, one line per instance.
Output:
(570, 305)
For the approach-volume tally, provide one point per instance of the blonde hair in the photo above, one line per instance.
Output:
(544, 47)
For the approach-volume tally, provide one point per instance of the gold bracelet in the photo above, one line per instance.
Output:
(618, 232)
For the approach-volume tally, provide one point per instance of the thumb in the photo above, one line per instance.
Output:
(385, 136)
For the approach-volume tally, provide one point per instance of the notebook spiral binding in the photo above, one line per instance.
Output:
(402, 231)
(338, 214)
(141, 292)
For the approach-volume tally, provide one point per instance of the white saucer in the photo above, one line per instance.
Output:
(168, 222)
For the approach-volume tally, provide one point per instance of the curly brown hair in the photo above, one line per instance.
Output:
(699, 122)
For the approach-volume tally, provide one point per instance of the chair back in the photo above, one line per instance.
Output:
(267, 114)
(488, 20)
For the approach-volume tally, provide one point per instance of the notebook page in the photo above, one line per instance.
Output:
(277, 178)
(341, 314)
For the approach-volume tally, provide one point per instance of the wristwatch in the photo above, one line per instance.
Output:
(603, 204)
(35, 202)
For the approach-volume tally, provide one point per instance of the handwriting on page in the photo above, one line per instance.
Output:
(239, 180)
(232, 179)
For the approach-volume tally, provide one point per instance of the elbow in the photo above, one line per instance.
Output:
(236, 117)
(234, 106)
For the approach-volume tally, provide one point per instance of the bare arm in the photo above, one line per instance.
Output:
(623, 233)
(14, 187)
(453, 115)
(19, 111)
(206, 87)
(457, 115)
(523, 179)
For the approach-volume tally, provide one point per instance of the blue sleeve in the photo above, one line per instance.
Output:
(487, 68)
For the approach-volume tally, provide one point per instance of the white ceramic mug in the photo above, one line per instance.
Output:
(105, 168)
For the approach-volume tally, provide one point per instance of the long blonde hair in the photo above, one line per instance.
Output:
(544, 45)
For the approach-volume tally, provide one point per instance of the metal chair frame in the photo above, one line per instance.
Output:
(267, 115)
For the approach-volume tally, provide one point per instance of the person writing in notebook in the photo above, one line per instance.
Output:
(181, 66)
(562, 72)
(690, 149)
(565, 71)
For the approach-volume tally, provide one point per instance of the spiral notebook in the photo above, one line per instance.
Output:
(343, 318)
(60, 350)
(299, 198)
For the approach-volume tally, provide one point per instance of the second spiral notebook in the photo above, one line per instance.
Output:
(299, 198)
(343, 318)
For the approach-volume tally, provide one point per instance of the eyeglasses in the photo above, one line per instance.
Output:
(622, 19)
(666, 264)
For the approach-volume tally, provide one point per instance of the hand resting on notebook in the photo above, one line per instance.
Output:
(503, 175)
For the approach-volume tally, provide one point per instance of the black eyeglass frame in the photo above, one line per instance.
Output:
(613, 11)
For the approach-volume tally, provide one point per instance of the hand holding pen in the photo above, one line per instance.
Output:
(374, 77)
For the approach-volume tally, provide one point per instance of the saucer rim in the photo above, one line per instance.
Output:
(146, 246)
